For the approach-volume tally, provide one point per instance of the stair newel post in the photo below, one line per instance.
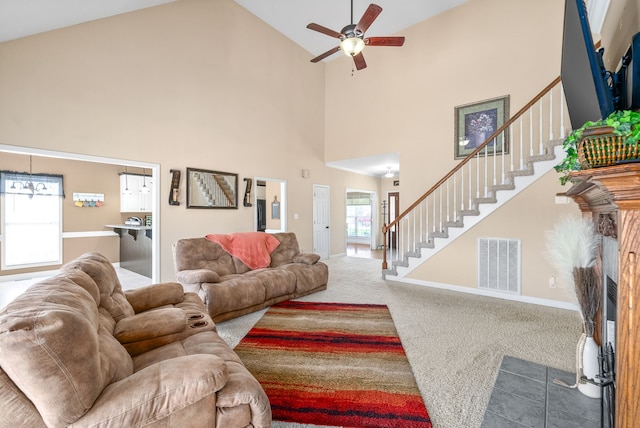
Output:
(384, 246)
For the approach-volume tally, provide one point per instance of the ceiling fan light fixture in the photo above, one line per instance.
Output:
(352, 46)
(389, 174)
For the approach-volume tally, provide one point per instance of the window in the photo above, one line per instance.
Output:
(358, 215)
(31, 219)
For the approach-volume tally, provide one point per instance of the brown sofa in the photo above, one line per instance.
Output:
(75, 350)
(230, 289)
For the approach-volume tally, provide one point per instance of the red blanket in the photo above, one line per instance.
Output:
(252, 248)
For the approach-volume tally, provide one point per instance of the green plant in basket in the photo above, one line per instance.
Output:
(624, 123)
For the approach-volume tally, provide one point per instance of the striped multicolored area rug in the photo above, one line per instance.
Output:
(333, 364)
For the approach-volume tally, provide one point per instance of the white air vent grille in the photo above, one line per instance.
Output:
(499, 264)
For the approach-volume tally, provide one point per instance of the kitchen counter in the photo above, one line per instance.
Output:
(128, 226)
(132, 229)
(135, 247)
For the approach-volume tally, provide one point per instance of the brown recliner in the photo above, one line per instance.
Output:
(75, 350)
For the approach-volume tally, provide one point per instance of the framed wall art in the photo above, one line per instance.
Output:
(275, 208)
(211, 189)
(475, 122)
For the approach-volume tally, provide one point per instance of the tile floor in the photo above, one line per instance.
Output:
(524, 395)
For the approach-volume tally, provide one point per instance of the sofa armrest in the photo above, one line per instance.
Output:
(153, 296)
(150, 324)
(197, 276)
(159, 391)
(306, 258)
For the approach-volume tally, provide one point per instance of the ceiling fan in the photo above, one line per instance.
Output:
(352, 40)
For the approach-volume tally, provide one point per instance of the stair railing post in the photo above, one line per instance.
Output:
(384, 246)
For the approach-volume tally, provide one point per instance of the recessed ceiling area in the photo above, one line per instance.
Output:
(375, 166)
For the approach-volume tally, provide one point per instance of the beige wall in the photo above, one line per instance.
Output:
(194, 83)
(622, 22)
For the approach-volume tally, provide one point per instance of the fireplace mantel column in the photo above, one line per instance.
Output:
(616, 190)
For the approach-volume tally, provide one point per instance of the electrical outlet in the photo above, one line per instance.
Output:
(552, 282)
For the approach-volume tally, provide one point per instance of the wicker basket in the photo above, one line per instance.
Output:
(599, 147)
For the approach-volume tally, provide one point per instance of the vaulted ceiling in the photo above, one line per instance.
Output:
(21, 18)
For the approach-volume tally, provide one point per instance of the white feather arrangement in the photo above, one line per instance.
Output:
(573, 250)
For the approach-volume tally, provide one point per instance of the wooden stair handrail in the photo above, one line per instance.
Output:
(472, 154)
(385, 227)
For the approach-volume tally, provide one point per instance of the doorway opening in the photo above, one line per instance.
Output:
(362, 225)
(155, 197)
(270, 212)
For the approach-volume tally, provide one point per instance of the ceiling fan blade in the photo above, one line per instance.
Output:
(384, 41)
(326, 54)
(369, 16)
(359, 61)
(324, 30)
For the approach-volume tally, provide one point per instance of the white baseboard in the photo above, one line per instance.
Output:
(488, 293)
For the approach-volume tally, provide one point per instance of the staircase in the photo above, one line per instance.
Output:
(483, 181)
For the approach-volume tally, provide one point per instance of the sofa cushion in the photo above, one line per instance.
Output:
(233, 292)
(153, 296)
(150, 397)
(239, 266)
(196, 276)
(206, 342)
(150, 324)
(100, 269)
(200, 253)
(236, 406)
(17, 410)
(307, 258)
(308, 277)
(53, 335)
(276, 282)
(287, 249)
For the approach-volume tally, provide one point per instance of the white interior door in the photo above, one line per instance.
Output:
(321, 220)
